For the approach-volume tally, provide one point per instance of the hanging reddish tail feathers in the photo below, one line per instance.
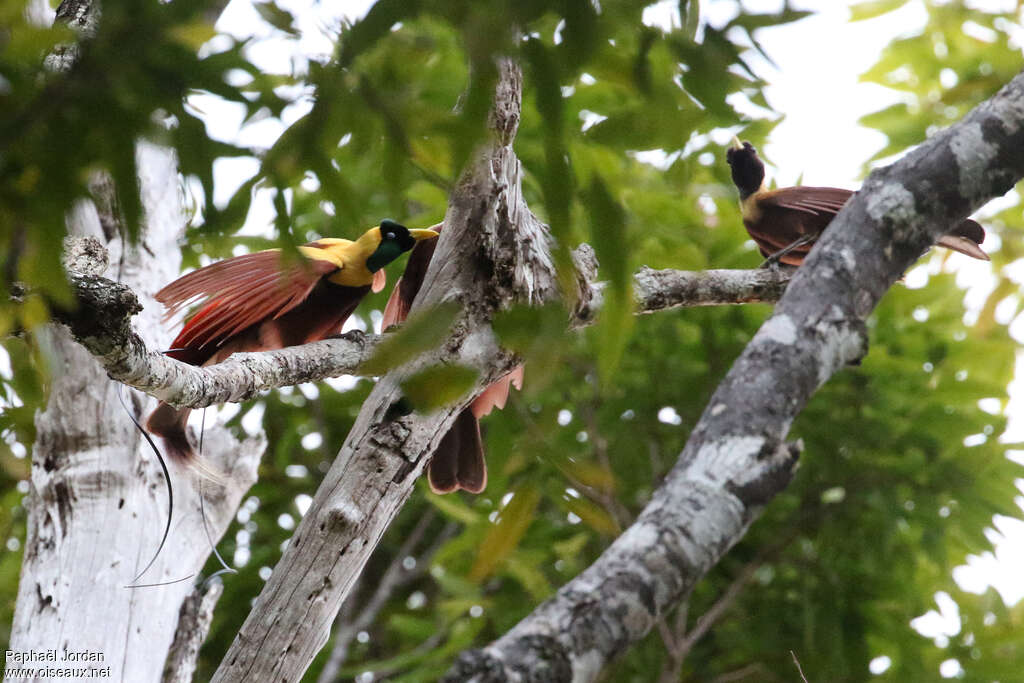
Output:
(252, 303)
(262, 301)
(459, 461)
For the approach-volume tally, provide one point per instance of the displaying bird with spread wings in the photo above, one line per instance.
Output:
(459, 461)
(787, 221)
(264, 301)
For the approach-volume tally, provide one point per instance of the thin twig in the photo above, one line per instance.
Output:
(798, 668)
(673, 638)
(427, 645)
(724, 602)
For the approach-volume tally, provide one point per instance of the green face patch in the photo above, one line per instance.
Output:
(394, 239)
(387, 252)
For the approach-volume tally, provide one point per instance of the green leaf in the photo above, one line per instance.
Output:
(422, 331)
(528, 574)
(689, 10)
(453, 507)
(874, 8)
(753, 22)
(581, 32)
(194, 34)
(279, 18)
(611, 242)
(538, 335)
(558, 178)
(438, 386)
(513, 521)
(375, 25)
(593, 516)
(571, 547)
(412, 626)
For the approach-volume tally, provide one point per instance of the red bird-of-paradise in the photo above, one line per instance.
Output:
(262, 301)
(787, 221)
(459, 461)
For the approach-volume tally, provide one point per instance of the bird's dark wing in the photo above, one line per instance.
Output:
(813, 200)
(408, 286)
(824, 202)
(239, 292)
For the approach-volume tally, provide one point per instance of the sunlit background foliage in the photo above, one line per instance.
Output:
(621, 138)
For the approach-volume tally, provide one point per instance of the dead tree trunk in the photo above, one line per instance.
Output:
(492, 252)
(97, 504)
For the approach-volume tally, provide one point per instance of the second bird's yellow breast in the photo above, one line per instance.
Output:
(749, 209)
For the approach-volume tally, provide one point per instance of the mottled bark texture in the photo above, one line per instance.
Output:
(737, 459)
(101, 323)
(194, 621)
(492, 251)
(97, 504)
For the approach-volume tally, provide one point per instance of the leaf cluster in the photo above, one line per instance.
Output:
(619, 137)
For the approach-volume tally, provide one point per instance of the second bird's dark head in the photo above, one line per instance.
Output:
(747, 167)
(395, 240)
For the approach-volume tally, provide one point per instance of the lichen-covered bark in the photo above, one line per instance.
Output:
(658, 290)
(194, 621)
(101, 325)
(736, 459)
(97, 504)
(492, 251)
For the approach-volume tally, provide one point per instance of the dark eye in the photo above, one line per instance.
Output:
(390, 236)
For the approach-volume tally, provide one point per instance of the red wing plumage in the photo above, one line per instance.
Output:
(397, 308)
(239, 292)
(496, 395)
(818, 205)
(459, 460)
(408, 286)
(814, 200)
(247, 303)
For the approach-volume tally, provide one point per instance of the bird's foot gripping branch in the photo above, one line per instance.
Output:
(100, 320)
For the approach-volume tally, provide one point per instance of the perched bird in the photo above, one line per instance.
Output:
(786, 222)
(260, 302)
(459, 460)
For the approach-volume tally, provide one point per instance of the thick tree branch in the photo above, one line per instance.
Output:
(97, 503)
(393, 578)
(101, 323)
(492, 252)
(736, 459)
